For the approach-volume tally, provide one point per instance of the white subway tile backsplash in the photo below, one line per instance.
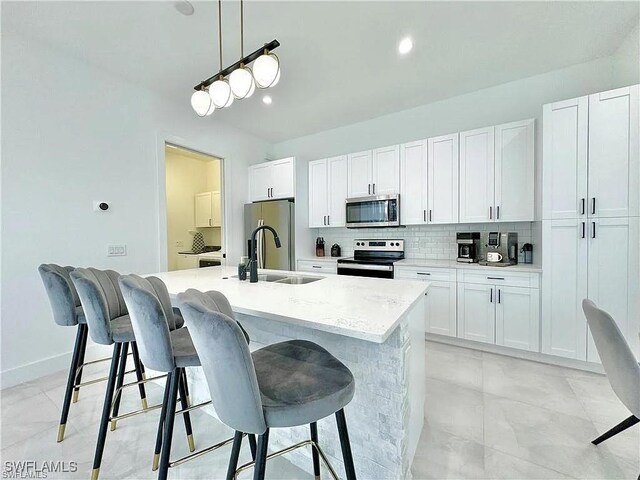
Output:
(429, 242)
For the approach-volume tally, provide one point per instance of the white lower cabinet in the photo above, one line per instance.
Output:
(499, 314)
(322, 266)
(186, 262)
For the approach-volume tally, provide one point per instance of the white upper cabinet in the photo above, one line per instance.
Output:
(337, 190)
(208, 209)
(564, 168)
(272, 180)
(374, 172)
(318, 193)
(442, 179)
(385, 178)
(477, 175)
(514, 171)
(360, 174)
(327, 192)
(413, 183)
(614, 155)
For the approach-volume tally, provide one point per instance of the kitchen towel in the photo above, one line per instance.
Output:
(198, 243)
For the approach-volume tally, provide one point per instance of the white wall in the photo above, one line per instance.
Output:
(73, 134)
(626, 60)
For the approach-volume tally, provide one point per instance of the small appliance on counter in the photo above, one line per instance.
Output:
(335, 250)
(527, 251)
(468, 247)
(319, 247)
(502, 249)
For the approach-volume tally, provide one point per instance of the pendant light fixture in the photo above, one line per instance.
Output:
(237, 80)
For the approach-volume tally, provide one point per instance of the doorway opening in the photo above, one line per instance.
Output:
(195, 213)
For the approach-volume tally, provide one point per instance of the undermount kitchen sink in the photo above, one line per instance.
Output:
(275, 278)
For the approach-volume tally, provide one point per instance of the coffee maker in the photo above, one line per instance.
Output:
(502, 249)
(468, 246)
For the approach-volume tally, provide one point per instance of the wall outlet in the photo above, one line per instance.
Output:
(179, 243)
(116, 250)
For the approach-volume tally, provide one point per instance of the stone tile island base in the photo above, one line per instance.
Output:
(386, 416)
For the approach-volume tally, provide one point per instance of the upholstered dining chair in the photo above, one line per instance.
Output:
(620, 365)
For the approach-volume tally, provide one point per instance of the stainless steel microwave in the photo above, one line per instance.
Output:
(373, 211)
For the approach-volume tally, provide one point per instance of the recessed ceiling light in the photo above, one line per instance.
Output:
(184, 7)
(405, 45)
(267, 100)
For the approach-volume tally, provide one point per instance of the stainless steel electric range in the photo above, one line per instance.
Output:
(372, 258)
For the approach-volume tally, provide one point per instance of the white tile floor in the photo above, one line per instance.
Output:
(487, 416)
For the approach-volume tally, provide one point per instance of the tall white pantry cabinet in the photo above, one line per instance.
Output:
(590, 228)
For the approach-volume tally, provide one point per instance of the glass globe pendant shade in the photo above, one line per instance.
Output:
(221, 94)
(212, 107)
(241, 83)
(266, 70)
(201, 103)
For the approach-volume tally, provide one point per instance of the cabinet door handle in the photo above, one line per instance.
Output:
(582, 205)
(268, 193)
(369, 188)
(316, 266)
(490, 213)
(498, 295)
(495, 278)
(424, 215)
(328, 219)
(423, 273)
(498, 212)
(430, 215)
(583, 229)
(374, 188)
(324, 219)
(593, 206)
(209, 222)
(593, 229)
(491, 295)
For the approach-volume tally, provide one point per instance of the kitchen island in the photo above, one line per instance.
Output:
(375, 326)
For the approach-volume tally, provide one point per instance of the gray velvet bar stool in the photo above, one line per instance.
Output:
(110, 324)
(286, 384)
(167, 351)
(67, 312)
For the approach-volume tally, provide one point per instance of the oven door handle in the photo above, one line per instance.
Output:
(360, 266)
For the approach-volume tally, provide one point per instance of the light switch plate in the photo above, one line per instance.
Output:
(119, 250)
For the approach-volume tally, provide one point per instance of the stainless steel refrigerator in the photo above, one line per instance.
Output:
(280, 215)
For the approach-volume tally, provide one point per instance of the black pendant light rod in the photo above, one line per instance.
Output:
(272, 45)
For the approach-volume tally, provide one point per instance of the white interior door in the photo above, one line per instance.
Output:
(477, 176)
(476, 312)
(203, 210)
(318, 189)
(564, 169)
(564, 285)
(614, 163)
(386, 171)
(337, 170)
(413, 184)
(515, 172)
(442, 161)
(441, 308)
(283, 178)
(518, 317)
(359, 165)
(614, 276)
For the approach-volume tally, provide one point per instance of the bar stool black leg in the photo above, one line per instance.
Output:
(314, 450)
(621, 427)
(261, 456)
(106, 410)
(120, 380)
(184, 404)
(163, 414)
(235, 453)
(252, 445)
(70, 381)
(83, 349)
(346, 446)
(186, 385)
(139, 371)
(168, 426)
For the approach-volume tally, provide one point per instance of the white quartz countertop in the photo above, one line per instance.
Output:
(414, 262)
(364, 308)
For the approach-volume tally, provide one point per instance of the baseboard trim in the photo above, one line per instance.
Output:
(47, 366)
(512, 352)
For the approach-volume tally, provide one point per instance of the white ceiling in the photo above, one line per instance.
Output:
(339, 59)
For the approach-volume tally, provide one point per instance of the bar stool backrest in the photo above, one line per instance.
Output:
(62, 293)
(101, 300)
(150, 314)
(226, 360)
(619, 363)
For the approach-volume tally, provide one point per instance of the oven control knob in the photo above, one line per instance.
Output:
(357, 244)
